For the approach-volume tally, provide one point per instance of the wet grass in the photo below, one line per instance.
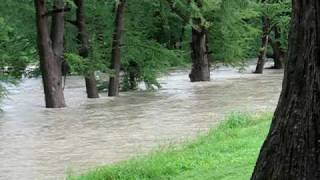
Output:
(227, 152)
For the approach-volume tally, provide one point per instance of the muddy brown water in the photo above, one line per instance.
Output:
(39, 143)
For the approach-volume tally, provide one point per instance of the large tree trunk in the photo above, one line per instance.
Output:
(114, 81)
(57, 31)
(50, 56)
(199, 55)
(83, 40)
(264, 45)
(199, 49)
(292, 148)
(278, 52)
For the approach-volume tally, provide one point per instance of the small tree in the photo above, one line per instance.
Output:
(116, 52)
(83, 40)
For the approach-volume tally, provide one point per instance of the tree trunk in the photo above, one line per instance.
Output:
(178, 45)
(133, 72)
(132, 81)
(264, 45)
(292, 148)
(278, 53)
(57, 32)
(49, 53)
(199, 49)
(83, 40)
(200, 62)
(114, 81)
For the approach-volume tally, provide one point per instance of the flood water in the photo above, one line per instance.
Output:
(39, 143)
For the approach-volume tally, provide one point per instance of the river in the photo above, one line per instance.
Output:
(39, 143)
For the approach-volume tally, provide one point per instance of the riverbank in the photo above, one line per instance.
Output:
(226, 152)
(39, 143)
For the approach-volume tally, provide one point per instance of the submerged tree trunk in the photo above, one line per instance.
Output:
(114, 81)
(133, 72)
(83, 40)
(278, 52)
(264, 45)
(199, 43)
(132, 81)
(50, 54)
(199, 49)
(200, 61)
(292, 148)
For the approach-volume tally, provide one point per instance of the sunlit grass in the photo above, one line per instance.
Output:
(227, 152)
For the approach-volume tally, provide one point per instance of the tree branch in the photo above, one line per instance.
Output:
(173, 8)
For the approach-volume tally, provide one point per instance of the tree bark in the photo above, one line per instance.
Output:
(199, 50)
(278, 52)
(50, 55)
(83, 40)
(200, 62)
(57, 31)
(264, 45)
(291, 150)
(114, 81)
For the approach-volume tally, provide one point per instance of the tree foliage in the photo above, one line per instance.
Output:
(157, 34)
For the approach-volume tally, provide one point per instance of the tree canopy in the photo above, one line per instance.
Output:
(156, 35)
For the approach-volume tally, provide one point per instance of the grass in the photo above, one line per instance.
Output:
(227, 152)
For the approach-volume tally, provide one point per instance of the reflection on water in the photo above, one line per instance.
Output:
(39, 143)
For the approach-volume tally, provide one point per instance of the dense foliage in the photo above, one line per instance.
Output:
(157, 34)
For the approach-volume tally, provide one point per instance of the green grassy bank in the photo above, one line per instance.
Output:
(227, 152)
